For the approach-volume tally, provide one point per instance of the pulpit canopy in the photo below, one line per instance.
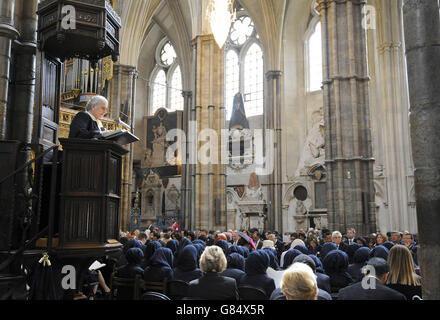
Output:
(85, 29)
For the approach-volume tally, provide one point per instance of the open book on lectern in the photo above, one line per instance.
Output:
(120, 136)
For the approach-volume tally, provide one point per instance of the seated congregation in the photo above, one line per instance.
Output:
(248, 265)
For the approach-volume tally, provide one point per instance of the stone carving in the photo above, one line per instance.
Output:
(159, 146)
(314, 149)
(300, 208)
(151, 196)
(253, 191)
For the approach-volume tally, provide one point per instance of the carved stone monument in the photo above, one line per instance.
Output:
(151, 197)
(251, 206)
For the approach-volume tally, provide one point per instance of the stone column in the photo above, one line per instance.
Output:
(273, 122)
(23, 84)
(391, 142)
(185, 200)
(422, 38)
(121, 91)
(210, 186)
(348, 150)
(7, 33)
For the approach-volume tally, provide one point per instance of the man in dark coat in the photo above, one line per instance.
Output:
(372, 287)
(88, 125)
(279, 245)
(337, 239)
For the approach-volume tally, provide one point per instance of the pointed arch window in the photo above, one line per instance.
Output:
(176, 102)
(159, 91)
(314, 56)
(253, 80)
(166, 80)
(244, 66)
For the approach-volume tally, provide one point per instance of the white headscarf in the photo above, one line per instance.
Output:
(268, 244)
(297, 242)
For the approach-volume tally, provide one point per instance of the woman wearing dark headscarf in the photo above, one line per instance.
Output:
(302, 248)
(234, 249)
(273, 258)
(380, 252)
(186, 268)
(256, 265)
(200, 248)
(197, 241)
(128, 244)
(335, 265)
(289, 256)
(352, 248)
(235, 267)
(173, 244)
(149, 250)
(359, 258)
(161, 266)
(182, 244)
(224, 245)
(245, 251)
(326, 248)
(322, 279)
(134, 258)
(388, 245)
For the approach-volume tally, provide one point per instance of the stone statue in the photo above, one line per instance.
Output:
(300, 208)
(147, 159)
(314, 149)
(159, 146)
(253, 191)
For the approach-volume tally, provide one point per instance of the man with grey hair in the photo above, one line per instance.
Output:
(88, 125)
(279, 246)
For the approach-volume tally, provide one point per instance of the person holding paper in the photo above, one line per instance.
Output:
(88, 125)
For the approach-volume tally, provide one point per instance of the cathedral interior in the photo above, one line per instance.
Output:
(271, 114)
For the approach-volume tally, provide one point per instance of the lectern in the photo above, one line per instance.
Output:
(90, 192)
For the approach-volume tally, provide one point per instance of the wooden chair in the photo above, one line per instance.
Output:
(177, 289)
(151, 295)
(160, 286)
(126, 288)
(251, 293)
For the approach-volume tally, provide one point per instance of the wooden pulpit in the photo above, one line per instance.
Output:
(90, 192)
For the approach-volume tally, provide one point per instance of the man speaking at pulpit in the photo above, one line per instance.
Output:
(88, 125)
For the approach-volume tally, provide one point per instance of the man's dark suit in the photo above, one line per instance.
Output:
(382, 292)
(84, 127)
(259, 244)
(213, 286)
(279, 246)
(343, 246)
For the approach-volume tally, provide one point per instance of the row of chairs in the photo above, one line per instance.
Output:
(139, 289)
